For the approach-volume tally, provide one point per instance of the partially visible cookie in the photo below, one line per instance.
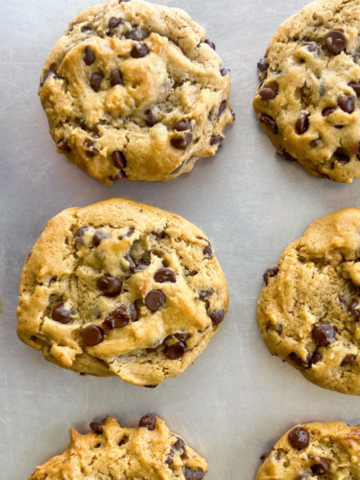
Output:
(121, 288)
(308, 101)
(313, 450)
(309, 309)
(111, 452)
(135, 90)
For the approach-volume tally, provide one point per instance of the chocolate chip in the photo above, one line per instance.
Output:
(135, 34)
(353, 310)
(347, 103)
(262, 66)
(92, 335)
(180, 446)
(133, 310)
(174, 351)
(79, 233)
(95, 81)
(294, 357)
(204, 294)
(182, 125)
(270, 272)
(316, 358)
(85, 29)
(47, 75)
(63, 145)
(302, 123)
(182, 337)
(224, 71)
(114, 178)
(159, 235)
(130, 232)
(314, 143)
(335, 42)
(321, 465)
(341, 157)
(323, 333)
(116, 77)
(284, 154)
(154, 300)
(139, 50)
(148, 421)
(170, 459)
(222, 108)
(356, 87)
(97, 427)
(89, 57)
(269, 122)
(119, 160)
(210, 43)
(59, 314)
(207, 250)
(347, 360)
(299, 438)
(193, 473)
(150, 118)
(152, 386)
(99, 235)
(181, 142)
(312, 48)
(216, 140)
(109, 285)
(165, 275)
(217, 316)
(114, 22)
(268, 93)
(118, 318)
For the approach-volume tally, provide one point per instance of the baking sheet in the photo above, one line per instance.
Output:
(237, 399)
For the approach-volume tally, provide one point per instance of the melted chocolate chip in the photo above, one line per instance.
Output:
(97, 427)
(210, 43)
(321, 465)
(89, 57)
(299, 438)
(139, 50)
(323, 333)
(165, 275)
(119, 160)
(114, 22)
(348, 360)
(182, 337)
(63, 145)
(148, 421)
(316, 358)
(335, 42)
(217, 316)
(181, 142)
(285, 155)
(269, 122)
(174, 351)
(356, 87)
(116, 77)
(109, 285)
(222, 108)
(150, 118)
(270, 272)
(59, 314)
(92, 335)
(154, 300)
(193, 473)
(118, 318)
(95, 81)
(302, 124)
(183, 125)
(268, 93)
(99, 235)
(347, 103)
(294, 358)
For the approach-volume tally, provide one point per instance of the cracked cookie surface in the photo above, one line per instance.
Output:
(309, 309)
(314, 450)
(308, 101)
(135, 90)
(110, 452)
(121, 288)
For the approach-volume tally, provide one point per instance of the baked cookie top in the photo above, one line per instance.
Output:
(309, 309)
(121, 288)
(111, 452)
(135, 90)
(313, 450)
(308, 98)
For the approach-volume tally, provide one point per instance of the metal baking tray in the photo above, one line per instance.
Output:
(237, 400)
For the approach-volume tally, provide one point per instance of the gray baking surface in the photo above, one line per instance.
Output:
(237, 399)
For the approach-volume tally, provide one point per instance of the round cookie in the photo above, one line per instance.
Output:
(309, 309)
(121, 288)
(313, 450)
(111, 452)
(308, 101)
(135, 90)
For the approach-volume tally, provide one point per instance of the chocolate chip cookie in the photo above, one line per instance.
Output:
(135, 90)
(111, 452)
(328, 450)
(308, 101)
(121, 288)
(309, 309)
